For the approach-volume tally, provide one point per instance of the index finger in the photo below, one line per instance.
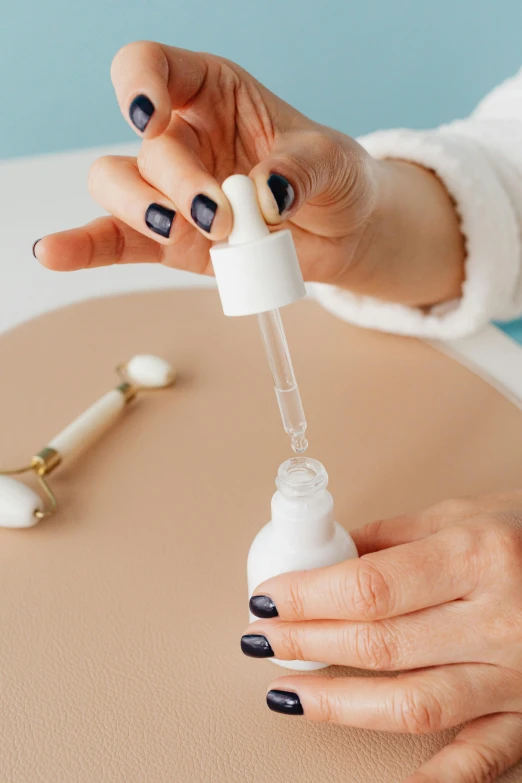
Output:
(151, 80)
(377, 586)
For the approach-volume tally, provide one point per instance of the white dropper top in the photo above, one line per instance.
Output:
(257, 272)
(248, 220)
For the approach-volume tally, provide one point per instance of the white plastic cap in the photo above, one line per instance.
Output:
(255, 270)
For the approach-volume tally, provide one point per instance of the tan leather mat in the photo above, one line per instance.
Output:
(120, 617)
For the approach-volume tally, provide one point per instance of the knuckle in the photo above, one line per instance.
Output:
(323, 143)
(296, 598)
(321, 147)
(417, 711)
(330, 706)
(372, 646)
(338, 592)
(463, 542)
(334, 160)
(371, 594)
(118, 240)
(483, 765)
(290, 643)
(230, 75)
(503, 542)
(454, 508)
(507, 531)
(373, 530)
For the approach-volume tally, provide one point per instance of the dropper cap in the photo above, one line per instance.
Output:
(255, 270)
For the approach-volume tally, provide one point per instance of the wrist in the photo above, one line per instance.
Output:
(411, 250)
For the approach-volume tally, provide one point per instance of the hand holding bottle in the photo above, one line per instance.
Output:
(436, 596)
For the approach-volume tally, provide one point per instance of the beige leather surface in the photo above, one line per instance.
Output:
(120, 618)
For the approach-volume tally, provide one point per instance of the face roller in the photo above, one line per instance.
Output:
(20, 506)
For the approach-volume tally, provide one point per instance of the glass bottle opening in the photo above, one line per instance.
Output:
(301, 477)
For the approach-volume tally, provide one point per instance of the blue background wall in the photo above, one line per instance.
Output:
(353, 65)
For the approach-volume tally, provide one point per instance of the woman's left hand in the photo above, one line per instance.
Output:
(439, 595)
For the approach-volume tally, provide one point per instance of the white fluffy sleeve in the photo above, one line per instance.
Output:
(480, 162)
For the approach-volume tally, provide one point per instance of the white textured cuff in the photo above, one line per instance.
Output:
(487, 222)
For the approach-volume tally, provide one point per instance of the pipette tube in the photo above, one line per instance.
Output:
(285, 384)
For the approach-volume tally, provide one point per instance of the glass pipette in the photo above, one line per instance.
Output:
(257, 272)
(285, 384)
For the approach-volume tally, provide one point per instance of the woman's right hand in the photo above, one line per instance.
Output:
(202, 118)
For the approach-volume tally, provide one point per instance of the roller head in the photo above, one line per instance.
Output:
(149, 372)
(18, 504)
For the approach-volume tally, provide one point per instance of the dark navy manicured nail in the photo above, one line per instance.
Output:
(263, 606)
(285, 702)
(256, 646)
(159, 219)
(203, 212)
(34, 245)
(282, 191)
(140, 112)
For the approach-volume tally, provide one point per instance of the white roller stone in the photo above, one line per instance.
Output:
(149, 371)
(18, 504)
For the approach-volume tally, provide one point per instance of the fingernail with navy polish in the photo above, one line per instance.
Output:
(34, 245)
(285, 702)
(140, 112)
(256, 646)
(282, 191)
(203, 212)
(263, 606)
(159, 219)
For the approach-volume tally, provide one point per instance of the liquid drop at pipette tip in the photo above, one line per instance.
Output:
(299, 444)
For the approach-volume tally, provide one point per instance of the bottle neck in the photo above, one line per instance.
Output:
(302, 507)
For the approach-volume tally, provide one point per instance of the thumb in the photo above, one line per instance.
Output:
(311, 165)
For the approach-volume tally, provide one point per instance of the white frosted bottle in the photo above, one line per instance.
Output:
(302, 533)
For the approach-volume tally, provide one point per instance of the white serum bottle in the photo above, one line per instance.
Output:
(302, 533)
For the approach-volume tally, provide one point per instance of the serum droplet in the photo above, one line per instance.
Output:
(299, 444)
